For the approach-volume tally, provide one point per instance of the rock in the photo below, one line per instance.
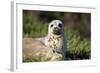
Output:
(34, 50)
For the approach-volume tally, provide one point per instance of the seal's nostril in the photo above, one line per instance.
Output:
(55, 28)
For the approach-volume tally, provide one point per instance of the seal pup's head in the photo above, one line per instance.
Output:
(56, 28)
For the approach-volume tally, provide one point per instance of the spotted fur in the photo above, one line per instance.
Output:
(56, 43)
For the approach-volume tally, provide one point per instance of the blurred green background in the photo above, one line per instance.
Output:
(77, 29)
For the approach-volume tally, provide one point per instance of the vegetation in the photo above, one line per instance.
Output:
(78, 36)
(78, 48)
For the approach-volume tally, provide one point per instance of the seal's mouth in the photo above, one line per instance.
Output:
(57, 31)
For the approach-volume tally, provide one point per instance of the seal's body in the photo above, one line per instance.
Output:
(56, 39)
(56, 44)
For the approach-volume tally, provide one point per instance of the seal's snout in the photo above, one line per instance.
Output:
(56, 31)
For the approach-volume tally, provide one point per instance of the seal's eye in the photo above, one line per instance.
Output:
(52, 25)
(59, 25)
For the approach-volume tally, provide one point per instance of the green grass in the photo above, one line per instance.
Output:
(77, 47)
(34, 27)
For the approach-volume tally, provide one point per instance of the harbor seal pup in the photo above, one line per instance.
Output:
(56, 40)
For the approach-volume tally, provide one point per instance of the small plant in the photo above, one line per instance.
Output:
(77, 47)
(33, 27)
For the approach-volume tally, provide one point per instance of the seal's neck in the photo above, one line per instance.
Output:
(56, 36)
